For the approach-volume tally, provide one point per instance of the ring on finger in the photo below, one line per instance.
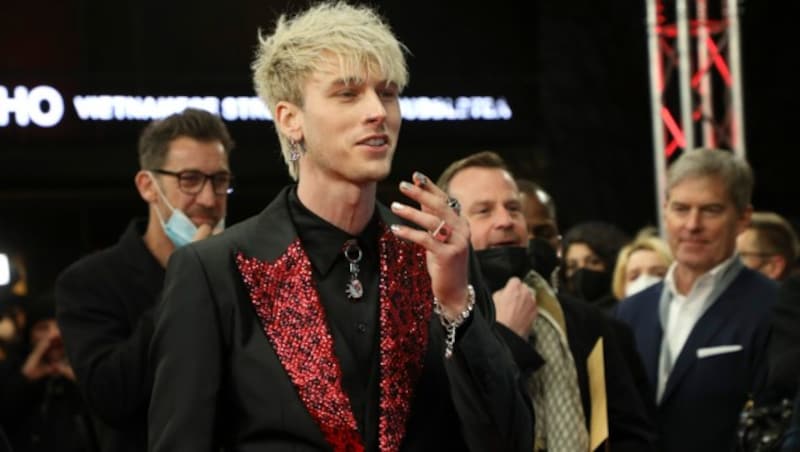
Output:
(442, 232)
(454, 204)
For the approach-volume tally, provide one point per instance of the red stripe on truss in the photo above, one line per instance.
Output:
(672, 126)
(719, 62)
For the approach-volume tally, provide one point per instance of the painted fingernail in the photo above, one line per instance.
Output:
(397, 206)
(405, 186)
(420, 178)
(395, 228)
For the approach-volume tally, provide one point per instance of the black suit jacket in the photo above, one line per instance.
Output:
(631, 427)
(221, 381)
(104, 308)
(784, 343)
(723, 361)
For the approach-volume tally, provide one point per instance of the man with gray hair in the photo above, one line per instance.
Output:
(702, 332)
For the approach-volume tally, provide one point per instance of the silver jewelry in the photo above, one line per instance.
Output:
(454, 204)
(353, 254)
(294, 154)
(450, 324)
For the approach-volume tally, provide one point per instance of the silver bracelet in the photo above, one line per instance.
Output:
(449, 324)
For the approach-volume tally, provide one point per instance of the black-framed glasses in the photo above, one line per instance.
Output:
(191, 182)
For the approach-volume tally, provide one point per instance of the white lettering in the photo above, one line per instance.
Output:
(244, 108)
(45, 95)
(18, 104)
(503, 109)
(462, 108)
(42, 105)
(229, 111)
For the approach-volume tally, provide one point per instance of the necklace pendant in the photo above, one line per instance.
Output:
(355, 290)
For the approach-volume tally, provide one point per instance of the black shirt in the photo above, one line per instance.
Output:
(353, 322)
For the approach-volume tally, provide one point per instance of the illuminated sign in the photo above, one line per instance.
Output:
(43, 106)
(5, 270)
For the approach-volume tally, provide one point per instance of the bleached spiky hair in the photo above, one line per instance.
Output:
(300, 45)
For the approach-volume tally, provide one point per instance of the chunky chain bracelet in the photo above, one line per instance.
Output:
(450, 324)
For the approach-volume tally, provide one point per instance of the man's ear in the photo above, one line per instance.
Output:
(145, 185)
(743, 222)
(289, 120)
(776, 266)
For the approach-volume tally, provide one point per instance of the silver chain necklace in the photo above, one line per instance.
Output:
(353, 254)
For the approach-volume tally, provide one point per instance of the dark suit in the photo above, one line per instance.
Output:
(784, 344)
(243, 358)
(630, 427)
(104, 308)
(706, 389)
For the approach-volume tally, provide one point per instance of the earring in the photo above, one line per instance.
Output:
(294, 154)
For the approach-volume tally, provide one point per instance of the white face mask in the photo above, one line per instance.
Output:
(179, 228)
(644, 281)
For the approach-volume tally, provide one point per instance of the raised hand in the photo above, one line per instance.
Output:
(444, 234)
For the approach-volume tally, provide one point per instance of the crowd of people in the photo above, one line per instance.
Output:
(458, 320)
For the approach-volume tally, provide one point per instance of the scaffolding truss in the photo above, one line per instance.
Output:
(695, 80)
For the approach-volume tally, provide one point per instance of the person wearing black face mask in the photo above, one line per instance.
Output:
(590, 251)
(498, 264)
(512, 268)
(592, 286)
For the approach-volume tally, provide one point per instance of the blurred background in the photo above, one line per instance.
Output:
(574, 74)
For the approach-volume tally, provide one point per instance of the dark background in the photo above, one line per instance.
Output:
(575, 74)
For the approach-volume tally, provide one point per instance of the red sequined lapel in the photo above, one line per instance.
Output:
(406, 305)
(287, 303)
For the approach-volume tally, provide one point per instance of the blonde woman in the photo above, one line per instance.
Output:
(640, 264)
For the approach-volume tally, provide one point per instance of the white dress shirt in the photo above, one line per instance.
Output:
(683, 313)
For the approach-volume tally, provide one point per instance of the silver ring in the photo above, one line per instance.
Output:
(454, 204)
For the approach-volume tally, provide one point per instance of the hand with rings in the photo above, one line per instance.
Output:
(444, 234)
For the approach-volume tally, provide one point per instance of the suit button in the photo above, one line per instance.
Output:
(362, 327)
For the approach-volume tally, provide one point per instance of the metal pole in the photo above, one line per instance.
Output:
(704, 85)
(656, 99)
(684, 73)
(734, 56)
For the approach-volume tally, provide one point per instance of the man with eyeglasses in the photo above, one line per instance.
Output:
(769, 245)
(106, 301)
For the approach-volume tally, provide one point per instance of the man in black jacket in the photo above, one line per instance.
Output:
(328, 322)
(106, 301)
(559, 333)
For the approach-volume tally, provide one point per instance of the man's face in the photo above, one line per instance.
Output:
(490, 201)
(350, 125)
(755, 257)
(702, 223)
(540, 225)
(208, 157)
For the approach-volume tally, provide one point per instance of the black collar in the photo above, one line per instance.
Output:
(323, 241)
